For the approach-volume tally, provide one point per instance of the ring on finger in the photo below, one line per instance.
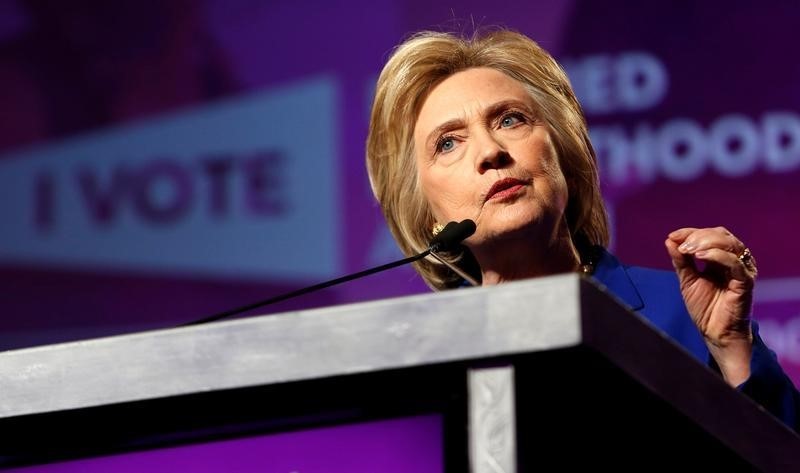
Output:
(746, 257)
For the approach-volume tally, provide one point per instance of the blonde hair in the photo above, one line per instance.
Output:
(414, 69)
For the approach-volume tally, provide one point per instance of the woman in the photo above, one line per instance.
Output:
(489, 129)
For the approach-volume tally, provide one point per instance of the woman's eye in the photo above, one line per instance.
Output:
(446, 144)
(510, 120)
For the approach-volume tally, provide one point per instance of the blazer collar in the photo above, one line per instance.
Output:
(612, 274)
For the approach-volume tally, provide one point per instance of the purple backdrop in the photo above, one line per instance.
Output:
(134, 196)
(389, 446)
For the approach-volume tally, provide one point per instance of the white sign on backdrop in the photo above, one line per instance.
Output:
(246, 188)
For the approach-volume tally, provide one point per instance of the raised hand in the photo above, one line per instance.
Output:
(717, 275)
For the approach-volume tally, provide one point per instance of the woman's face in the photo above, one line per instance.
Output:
(483, 153)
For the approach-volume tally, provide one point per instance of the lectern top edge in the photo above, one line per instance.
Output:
(470, 323)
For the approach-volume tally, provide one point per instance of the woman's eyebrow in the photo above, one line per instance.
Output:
(491, 112)
(449, 125)
(497, 108)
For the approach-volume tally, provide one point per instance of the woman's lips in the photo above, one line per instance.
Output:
(504, 188)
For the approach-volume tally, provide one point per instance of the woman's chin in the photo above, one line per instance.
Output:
(497, 234)
(492, 232)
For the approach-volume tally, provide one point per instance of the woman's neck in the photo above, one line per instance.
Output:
(522, 258)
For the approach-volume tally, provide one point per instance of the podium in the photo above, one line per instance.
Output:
(545, 374)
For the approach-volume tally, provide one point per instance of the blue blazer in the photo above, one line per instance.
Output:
(656, 295)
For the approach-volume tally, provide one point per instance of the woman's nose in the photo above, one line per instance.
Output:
(492, 154)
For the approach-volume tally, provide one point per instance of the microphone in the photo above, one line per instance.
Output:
(451, 235)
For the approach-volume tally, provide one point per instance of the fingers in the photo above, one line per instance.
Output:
(692, 240)
(680, 261)
(716, 245)
(681, 234)
(728, 261)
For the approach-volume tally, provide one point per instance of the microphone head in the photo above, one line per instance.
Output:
(452, 235)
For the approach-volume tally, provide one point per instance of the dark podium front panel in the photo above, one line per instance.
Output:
(542, 374)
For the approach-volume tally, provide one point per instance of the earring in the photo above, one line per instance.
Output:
(437, 228)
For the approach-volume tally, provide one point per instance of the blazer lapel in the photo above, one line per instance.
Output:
(614, 276)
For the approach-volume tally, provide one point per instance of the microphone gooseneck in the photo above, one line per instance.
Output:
(452, 234)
